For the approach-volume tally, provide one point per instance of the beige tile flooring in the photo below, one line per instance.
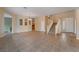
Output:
(39, 42)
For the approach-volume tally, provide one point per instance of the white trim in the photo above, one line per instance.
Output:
(2, 35)
(77, 37)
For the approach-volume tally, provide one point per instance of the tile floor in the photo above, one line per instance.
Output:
(39, 42)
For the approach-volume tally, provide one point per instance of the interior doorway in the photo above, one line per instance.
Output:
(33, 24)
(7, 24)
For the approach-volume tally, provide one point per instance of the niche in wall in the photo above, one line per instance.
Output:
(29, 22)
(25, 21)
(21, 22)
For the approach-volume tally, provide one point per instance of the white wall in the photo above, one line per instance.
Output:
(43, 23)
(22, 28)
(2, 23)
(1, 26)
(68, 24)
(40, 23)
(77, 24)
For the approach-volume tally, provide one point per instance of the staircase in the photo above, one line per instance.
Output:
(58, 27)
(52, 29)
(50, 22)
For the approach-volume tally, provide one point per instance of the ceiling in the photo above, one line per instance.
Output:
(37, 11)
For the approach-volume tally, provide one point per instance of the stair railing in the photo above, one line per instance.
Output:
(58, 27)
(49, 26)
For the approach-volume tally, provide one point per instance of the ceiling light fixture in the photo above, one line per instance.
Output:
(25, 7)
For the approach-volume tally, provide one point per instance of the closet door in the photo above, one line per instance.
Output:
(68, 25)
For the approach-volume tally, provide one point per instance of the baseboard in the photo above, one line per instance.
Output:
(2, 35)
(77, 37)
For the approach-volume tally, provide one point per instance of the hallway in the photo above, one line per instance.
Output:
(38, 42)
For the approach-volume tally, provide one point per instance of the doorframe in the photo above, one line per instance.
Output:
(34, 24)
(11, 25)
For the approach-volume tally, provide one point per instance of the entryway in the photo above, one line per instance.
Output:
(33, 24)
(7, 24)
